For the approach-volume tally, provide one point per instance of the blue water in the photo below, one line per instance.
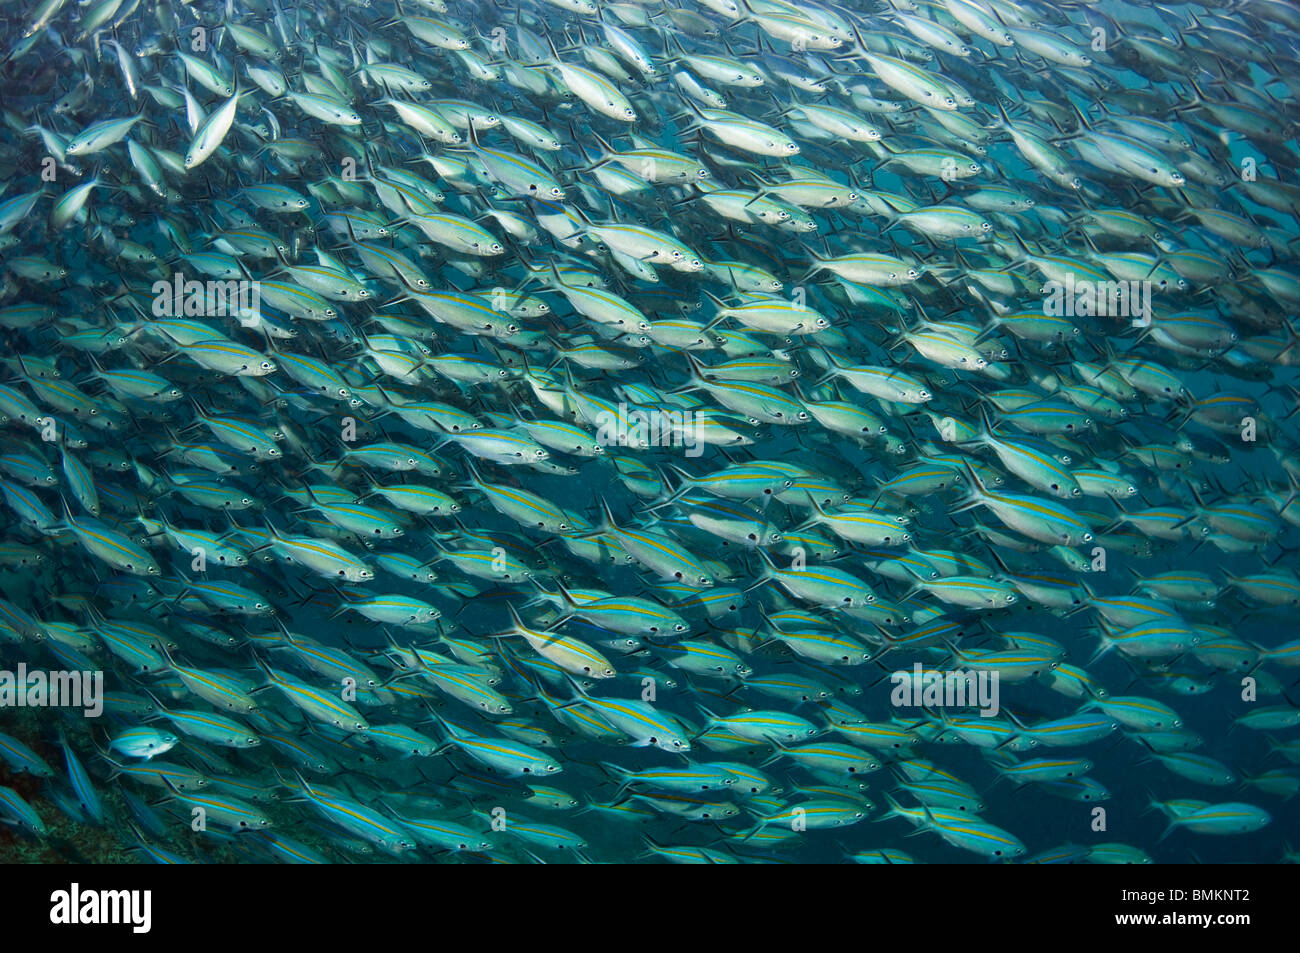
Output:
(107, 290)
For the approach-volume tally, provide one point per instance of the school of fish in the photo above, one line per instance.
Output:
(563, 430)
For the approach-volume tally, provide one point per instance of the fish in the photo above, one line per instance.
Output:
(398, 415)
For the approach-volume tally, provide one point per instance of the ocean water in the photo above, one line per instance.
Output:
(610, 442)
